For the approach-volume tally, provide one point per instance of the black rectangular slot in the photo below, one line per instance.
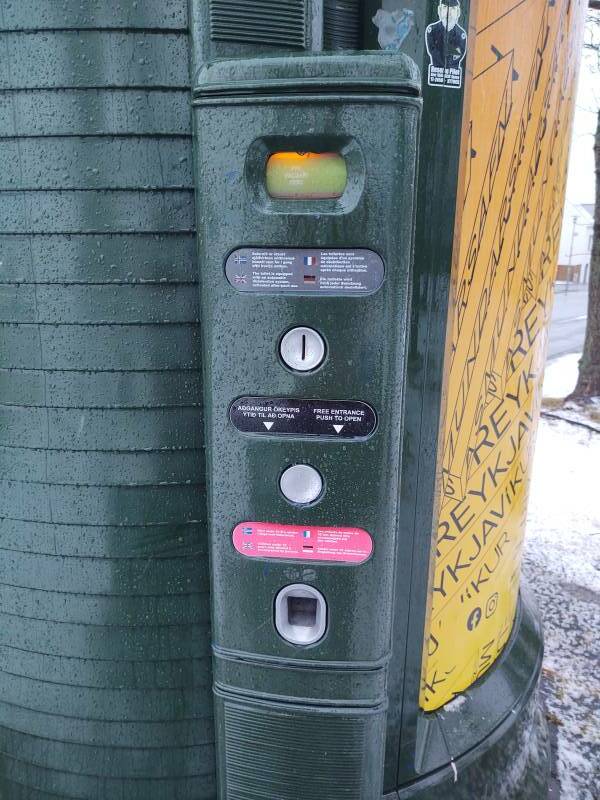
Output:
(302, 611)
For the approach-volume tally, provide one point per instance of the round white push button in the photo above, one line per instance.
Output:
(301, 484)
(302, 349)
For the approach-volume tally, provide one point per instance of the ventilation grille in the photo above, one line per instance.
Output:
(342, 28)
(272, 754)
(273, 22)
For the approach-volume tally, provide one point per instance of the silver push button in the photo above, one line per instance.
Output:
(300, 614)
(301, 484)
(302, 349)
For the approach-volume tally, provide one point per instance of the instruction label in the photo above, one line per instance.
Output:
(275, 270)
(284, 416)
(302, 543)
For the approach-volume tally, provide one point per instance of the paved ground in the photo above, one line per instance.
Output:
(567, 328)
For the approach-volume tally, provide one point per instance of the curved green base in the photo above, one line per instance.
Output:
(492, 757)
(514, 765)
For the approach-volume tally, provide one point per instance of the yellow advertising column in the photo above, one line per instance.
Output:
(515, 152)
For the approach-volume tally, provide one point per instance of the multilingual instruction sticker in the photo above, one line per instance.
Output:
(282, 270)
(304, 543)
(288, 416)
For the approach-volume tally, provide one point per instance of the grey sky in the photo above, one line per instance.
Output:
(580, 186)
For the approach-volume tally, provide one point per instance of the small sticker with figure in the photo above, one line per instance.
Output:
(446, 44)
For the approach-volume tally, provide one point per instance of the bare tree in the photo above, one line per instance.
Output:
(588, 382)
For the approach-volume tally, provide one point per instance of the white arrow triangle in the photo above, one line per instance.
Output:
(268, 425)
(338, 428)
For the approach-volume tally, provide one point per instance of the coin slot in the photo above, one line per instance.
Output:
(302, 349)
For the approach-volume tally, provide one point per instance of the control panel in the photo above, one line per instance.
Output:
(305, 224)
(305, 251)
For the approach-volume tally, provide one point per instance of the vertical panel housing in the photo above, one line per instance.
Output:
(303, 702)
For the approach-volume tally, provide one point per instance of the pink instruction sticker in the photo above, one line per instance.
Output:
(308, 543)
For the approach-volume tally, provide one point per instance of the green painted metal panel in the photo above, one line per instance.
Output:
(99, 347)
(124, 577)
(78, 59)
(94, 112)
(105, 304)
(100, 468)
(90, 162)
(101, 429)
(18, 792)
(105, 663)
(152, 642)
(104, 541)
(63, 14)
(69, 389)
(107, 703)
(74, 786)
(95, 505)
(130, 763)
(96, 211)
(104, 673)
(155, 257)
(134, 734)
(60, 606)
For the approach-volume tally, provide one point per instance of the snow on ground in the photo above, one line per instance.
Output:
(560, 376)
(562, 566)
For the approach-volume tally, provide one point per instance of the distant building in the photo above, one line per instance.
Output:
(576, 242)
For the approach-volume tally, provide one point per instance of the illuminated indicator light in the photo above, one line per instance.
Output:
(306, 176)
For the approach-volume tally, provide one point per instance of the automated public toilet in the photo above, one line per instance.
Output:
(337, 424)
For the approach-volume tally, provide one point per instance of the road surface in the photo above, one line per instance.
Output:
(567, 327)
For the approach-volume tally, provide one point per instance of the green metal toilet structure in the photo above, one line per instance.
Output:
(116, 646)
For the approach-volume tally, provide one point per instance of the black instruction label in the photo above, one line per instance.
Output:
(277, 416)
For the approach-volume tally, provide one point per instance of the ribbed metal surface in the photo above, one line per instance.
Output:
(75, 14)
(276, 22)
(342, 24)
(104, 623)
(277, 754)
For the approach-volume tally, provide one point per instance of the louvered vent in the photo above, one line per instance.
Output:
(280, 23)
(342, 27)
